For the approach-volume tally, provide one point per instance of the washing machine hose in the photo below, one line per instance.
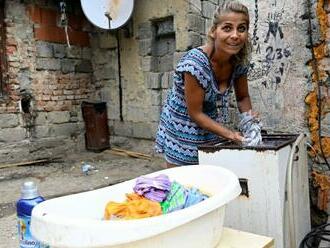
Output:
(289, 187)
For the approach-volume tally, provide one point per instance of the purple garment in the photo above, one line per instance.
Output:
(153, 188)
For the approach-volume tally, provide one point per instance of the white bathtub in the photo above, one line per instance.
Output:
(76, 220)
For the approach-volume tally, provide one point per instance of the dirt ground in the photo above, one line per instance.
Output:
(65, 176)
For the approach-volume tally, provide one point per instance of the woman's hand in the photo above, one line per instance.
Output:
(254, 114)
(237, 137)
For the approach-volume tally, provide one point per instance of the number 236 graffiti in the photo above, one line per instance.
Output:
(271, 56)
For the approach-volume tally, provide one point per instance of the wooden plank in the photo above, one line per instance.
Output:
(123, 152)
(131, 152)
(25, 163)
(232, 238)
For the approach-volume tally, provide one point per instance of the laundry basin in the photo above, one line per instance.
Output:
(77, 220)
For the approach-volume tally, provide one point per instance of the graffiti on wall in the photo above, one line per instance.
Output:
(271, 58)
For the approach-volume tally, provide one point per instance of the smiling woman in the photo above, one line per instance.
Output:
(196, 108)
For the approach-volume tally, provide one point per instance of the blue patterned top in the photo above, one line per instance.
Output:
(178, 136)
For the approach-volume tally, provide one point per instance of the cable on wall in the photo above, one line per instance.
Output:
(64, 21)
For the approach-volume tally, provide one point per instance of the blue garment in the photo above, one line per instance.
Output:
(178, 136)
(194, 196)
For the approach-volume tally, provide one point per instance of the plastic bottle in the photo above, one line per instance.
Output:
(29, 198)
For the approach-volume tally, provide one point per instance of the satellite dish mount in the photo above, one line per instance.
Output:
(107, 14)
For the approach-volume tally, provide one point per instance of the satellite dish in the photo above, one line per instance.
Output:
(107, 14)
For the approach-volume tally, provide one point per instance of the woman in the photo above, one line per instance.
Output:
(202, 81)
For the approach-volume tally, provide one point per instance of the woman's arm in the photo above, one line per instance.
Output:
(194, 96)
(242, 94)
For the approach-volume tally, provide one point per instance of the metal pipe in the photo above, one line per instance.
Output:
(289, 186)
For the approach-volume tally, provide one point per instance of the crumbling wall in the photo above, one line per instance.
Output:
(45, 81)
(317, 101)
(277, 75)
(318, 97)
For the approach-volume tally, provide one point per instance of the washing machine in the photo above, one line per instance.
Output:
(275, 189)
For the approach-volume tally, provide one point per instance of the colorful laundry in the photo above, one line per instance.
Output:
(153, 188)
(180, 197)
(153, 197)
(135, 207)
(175, 199)
(194, 196)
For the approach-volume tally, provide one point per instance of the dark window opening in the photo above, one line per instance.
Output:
(163, 46)
(164, 27)
(26, 105)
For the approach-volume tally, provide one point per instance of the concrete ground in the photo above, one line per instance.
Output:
(65, 177)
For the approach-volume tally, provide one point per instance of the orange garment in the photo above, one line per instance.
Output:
(135, 207)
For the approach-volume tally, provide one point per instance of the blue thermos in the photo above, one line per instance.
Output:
(29, 198)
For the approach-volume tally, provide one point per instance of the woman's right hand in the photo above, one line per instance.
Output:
(237, 137)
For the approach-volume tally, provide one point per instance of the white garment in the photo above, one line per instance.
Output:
(250, 126)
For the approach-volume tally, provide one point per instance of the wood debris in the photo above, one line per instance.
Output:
(27, 163)
(127, 153)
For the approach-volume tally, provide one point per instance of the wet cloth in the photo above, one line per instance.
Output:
(178, 136)
(135, 207)
(153, 188)
(180, 197)
(194, 196)
(175, 199)
(250, 127)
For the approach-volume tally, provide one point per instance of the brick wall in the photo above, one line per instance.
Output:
(45, 81)
(48, 27)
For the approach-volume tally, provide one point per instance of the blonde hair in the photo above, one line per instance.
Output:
(232, 6)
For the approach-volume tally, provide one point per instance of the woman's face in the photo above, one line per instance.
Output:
(231, 33)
